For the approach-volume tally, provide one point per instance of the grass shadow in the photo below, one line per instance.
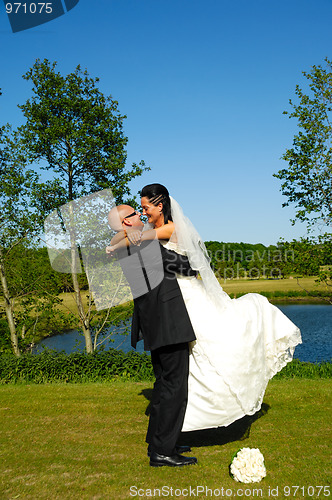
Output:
(237, 431)
(147, 393)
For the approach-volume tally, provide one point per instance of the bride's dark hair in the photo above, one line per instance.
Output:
(157, 193)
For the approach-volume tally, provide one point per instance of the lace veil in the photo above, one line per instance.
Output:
(191, 244)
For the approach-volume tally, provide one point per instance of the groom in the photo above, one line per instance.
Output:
(160, 317)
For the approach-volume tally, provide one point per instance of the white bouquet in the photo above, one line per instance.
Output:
(248, 466)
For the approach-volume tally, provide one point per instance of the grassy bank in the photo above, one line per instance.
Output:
(70, 319)
(239, 286)
(284, 289)
(87, 442)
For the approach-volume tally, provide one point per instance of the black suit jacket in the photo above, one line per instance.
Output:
(160, 316)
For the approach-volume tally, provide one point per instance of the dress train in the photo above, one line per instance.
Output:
(240, 346)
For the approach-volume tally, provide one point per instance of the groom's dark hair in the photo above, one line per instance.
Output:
(157, 193)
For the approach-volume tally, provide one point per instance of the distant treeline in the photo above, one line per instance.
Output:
(27, 268)
(238, 260)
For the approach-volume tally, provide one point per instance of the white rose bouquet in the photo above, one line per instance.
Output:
(248, 466)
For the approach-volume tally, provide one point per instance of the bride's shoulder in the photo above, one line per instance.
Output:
(165, 231)
(171, 231)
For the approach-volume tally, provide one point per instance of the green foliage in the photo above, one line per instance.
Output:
(34, 289)
(78, 132)
(298, 369)
(5, 345)
(29, 269)
(102, 366)
(18, 220)
(313, 256)
(325, 270)
(244, 260)
(51, 366)
(307, 181)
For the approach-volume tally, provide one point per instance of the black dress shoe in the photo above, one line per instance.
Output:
(178, 449)
(157, 460)
(182, 449)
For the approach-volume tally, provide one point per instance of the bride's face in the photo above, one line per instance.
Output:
(152, 212)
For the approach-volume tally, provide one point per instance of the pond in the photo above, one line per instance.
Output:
(314, 320)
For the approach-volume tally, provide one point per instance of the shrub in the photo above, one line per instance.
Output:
(52, 366)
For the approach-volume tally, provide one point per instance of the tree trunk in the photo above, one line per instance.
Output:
(82, 315)
(75, 265)
(9, 309)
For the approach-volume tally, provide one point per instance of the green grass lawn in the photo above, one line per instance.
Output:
(86, 441)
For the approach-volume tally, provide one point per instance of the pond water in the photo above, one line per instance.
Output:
(314, 320)
(315, 323)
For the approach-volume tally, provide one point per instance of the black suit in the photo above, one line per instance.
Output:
(161, 319)
(161, 314)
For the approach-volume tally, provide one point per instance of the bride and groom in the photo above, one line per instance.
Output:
(212, 356)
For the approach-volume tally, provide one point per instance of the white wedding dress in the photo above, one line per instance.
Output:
(241, 344)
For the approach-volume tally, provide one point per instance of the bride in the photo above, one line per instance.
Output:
(240, 343)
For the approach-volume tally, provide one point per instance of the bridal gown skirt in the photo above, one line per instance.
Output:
(240, 346)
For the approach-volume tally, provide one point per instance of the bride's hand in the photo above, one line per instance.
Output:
(134, 237)
(110, 250)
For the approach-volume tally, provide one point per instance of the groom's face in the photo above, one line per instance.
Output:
(132, 218)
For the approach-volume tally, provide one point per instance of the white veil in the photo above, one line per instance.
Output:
(191, 244)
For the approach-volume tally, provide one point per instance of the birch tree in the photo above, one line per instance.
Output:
(75, 132)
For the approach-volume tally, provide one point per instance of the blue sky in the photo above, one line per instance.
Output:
(204, 84)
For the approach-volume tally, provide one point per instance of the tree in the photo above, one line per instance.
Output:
(76, 133)
(325, 271)
(307, 181)
(17, 220)
(6, 237)
(312, 256)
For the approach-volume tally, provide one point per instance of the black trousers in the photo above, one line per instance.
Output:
(169, 398)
